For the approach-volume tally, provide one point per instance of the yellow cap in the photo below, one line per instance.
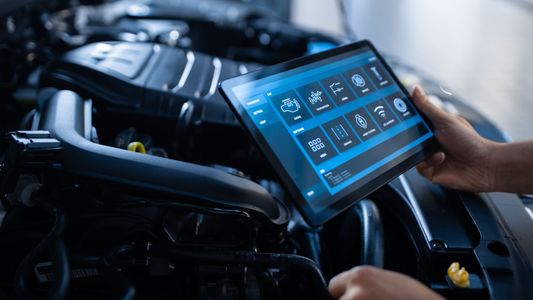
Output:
(137, 147)
(458, 275)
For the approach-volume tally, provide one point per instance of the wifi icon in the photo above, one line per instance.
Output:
(380, 110)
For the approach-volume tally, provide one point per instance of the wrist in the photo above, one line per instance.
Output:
(495, 153)
(511, 165)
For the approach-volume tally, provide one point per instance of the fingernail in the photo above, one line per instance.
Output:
(423, 91)
(440, 157)
(417, 96)
(420, 90)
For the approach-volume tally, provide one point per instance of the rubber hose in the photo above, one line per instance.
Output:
(372, 244)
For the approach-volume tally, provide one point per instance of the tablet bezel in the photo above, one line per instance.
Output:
(345, 198)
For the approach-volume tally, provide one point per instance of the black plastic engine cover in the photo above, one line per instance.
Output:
(146, 78)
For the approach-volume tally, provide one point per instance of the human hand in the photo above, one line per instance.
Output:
(465, 162)
(367, 282)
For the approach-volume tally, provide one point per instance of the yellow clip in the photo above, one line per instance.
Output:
(459, 277)
(137, 147)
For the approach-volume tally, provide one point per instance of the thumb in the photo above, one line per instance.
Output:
(433, 112)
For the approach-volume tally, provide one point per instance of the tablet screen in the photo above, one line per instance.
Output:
(334, 125)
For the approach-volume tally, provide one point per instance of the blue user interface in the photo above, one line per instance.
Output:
(333, 124)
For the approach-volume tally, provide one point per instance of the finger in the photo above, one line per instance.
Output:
(433, 161)
(465, 122)
(353, 277)
(352, 293)
(436, 159)
(338, 284)
(423, 165)
(434, 113)
(426, 172)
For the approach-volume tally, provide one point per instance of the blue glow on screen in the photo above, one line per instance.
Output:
(321, 120)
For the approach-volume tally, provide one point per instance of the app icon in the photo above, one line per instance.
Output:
(380, 77)
(359, 81)
(341, 134)
(290, 105)
(400, 105)
(362, 123)
(317, 145)
(380, 111)
(315, 98)
(376, 73)
(382, 114)
(338, 90)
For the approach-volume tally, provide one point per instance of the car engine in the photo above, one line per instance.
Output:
(124, 174)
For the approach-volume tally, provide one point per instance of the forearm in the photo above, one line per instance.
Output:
(512, 167)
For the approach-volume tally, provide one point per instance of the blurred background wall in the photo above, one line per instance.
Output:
(481, 50)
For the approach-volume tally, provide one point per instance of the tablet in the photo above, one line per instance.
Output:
(334, 125)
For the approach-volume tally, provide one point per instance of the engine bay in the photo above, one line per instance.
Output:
(124, 174)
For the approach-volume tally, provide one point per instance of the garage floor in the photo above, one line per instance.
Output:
(479, 49)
